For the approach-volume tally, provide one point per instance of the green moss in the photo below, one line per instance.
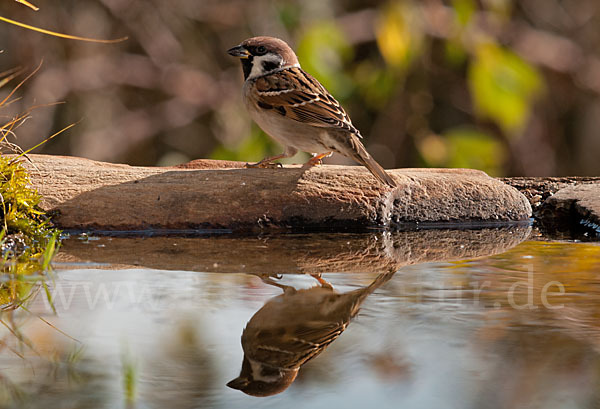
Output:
(19, 209)
(28, 240)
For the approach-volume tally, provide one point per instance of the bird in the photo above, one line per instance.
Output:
(292, 107)
(293, 328)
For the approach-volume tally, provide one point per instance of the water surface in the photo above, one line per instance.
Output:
(494, 324)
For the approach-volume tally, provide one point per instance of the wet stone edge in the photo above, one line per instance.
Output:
(565, 220)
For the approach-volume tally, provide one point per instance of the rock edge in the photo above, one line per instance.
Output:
(204, 194)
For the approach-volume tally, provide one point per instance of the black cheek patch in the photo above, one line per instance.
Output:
(270, 66)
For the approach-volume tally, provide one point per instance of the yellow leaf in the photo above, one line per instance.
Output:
(504, 86)
(398, 41)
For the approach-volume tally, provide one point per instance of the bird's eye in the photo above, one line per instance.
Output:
(261, 49)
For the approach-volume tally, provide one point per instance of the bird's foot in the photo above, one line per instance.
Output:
(268, 279)
(316, 160)
(312, 163)
(322, 281)
(264, 165)
(267, 276)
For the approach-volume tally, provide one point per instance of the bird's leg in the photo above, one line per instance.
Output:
(316, 160)
(268, 162)
(321, 280)
(266, 278)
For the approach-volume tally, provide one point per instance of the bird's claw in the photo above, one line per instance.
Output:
(316, 160)
(268, 279)
(269, 276)
(311, 163)
(265, 165)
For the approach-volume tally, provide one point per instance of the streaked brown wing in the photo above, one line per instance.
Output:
(299, 96)
(295, 346)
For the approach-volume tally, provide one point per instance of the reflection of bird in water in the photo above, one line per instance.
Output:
(291, 329)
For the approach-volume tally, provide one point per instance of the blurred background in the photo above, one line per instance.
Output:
(509, 87)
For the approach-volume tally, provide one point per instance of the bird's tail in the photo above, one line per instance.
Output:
(377, 170)
(360, 154)
(363, 293)
(380, 280)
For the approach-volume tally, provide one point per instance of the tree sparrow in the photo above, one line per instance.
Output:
(293, 328)
(295, 109)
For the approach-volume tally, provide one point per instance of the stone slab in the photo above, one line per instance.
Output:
(89, 195)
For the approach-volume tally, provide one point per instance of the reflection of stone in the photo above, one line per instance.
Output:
(85, 194)
(285, 254)
(290, 330)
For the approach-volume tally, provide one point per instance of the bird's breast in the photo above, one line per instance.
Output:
(288, 132)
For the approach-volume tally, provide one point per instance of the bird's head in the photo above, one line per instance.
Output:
(262, 55)
(258, 379)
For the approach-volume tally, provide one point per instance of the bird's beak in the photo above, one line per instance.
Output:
(239, 51)
(238, 383)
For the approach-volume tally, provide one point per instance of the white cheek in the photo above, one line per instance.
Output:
(257, 69)
(256, 373)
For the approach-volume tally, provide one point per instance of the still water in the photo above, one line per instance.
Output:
(436, 319)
